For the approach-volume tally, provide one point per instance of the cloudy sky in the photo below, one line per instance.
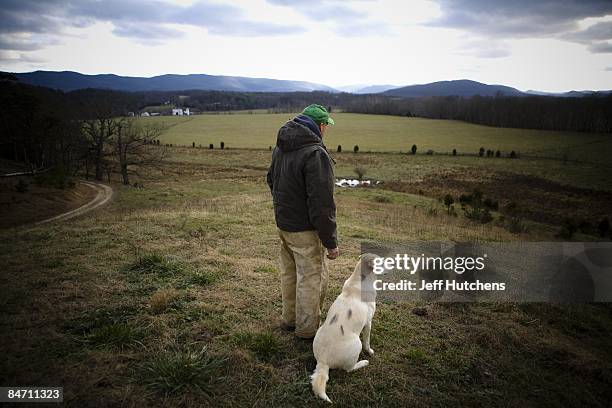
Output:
(545, 45)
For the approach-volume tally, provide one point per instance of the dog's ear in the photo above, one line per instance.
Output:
(367, 264)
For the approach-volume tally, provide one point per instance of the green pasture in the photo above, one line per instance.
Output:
(379, 133)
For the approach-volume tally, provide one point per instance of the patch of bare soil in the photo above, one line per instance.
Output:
(38, 202)
(536, 198)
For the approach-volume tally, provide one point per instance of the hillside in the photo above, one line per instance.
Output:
(462, 87)
(70, 81)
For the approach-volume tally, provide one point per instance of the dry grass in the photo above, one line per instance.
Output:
(163, 299)
(78, 307)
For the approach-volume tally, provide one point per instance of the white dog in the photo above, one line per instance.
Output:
(337, 344)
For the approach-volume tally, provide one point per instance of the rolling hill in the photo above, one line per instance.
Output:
(462, 87)
(70, 81)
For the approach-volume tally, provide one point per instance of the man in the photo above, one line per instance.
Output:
(301, 178)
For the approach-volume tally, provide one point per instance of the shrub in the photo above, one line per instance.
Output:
(57, 178)
(430, 152)
(22, 186)
(492, 204)
(515, 225)
(448, 202)
(356, 149)
(586, 227)
(513, 154)
(163, 299)
(414, 149)
(175, 372)
(211, 146)
(360, 172)
(222, 145)
(192, 144)
(478, 214)
(511, 208)
(498, 154)
(339, 149)
(603, 227)
(454, 152)
(432, 210)
(481, 151)
(568, 228)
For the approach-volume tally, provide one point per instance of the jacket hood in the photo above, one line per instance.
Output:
(298, 133)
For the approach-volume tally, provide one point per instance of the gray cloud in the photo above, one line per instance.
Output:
(597, 32)
(322, 9)
(609, 69)
(601, 48)
(143, 21)
(343, 20)
(596, 37)
(146, 33)
(494, 19)
(12, 57)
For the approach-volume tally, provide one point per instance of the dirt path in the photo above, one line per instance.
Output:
(104, 195)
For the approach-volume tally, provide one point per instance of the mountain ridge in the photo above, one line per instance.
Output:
(70, 80)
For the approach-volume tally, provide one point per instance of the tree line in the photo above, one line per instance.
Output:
(583, 114)
(69, 133)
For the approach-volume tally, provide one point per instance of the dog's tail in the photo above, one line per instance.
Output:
(319, 380)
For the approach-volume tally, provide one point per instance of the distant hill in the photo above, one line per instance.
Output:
(570, 94)
(365, 89)
(462, 87)
(70, 81)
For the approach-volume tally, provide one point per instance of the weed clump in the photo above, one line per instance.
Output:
(116, 335)
(360, 172)
(382, 199)
(163, 299)
(156, 264)
(178, 371)
(204, 278)
(265, 346)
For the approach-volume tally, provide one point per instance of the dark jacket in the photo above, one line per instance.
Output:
(301, 178)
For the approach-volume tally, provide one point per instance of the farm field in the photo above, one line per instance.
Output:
(386, 134)
(169, 295)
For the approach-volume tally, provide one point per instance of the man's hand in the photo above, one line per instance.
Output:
(333, 253)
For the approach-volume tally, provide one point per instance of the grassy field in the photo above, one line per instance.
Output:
(386, 133)
(169, 296)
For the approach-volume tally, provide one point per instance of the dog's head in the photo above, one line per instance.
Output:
(369, 266)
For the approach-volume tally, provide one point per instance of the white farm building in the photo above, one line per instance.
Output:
(180, 112)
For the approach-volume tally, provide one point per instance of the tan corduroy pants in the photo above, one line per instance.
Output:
(303, 270)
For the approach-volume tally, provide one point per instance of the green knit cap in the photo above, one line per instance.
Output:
(319, 114)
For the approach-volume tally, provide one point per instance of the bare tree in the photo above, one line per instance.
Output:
(100, 132)
(133, 146)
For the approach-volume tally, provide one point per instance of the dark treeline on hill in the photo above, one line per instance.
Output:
(584, 114)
